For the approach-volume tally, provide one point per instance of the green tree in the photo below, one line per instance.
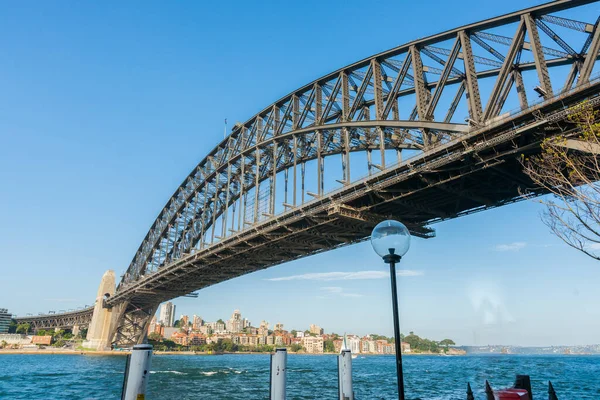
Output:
(293, 332)
(3, 344)
(155, 337)
(295, 347)
(12, 327)
(82, 333)
(328, 346)
(176, 324)
(23, 328)
(220, 321)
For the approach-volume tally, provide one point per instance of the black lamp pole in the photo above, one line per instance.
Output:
(392, 259)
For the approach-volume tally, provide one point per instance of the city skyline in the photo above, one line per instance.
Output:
(102, 174)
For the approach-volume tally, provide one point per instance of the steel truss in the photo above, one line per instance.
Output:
(81, 318)
(357, 109)
(231, 215)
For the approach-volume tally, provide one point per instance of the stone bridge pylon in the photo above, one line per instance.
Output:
(103, 317)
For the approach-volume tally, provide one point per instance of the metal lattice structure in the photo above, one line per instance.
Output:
(427, 123)
(81, 318)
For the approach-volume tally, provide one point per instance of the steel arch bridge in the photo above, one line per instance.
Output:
(430, 126)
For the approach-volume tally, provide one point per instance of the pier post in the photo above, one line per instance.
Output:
(278, 374)
(137, 372)
(345, 391)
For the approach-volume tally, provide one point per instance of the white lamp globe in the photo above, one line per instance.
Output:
(390, 237)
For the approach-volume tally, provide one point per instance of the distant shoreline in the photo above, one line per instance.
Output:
(189, 353)
(192, 353)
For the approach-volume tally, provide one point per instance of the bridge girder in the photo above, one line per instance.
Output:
(332, 116)
(235, 212)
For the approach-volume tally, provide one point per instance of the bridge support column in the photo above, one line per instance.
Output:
(98, 335)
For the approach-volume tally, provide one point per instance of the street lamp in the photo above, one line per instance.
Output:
(391, 240)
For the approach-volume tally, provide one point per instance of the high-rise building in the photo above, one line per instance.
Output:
(184, 321)
(316, 329)
(235, 323)
(167, 314)
(4, 320)
(196, 322)
(263, 329)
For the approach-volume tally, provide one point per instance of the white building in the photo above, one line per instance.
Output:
(313, 344)
(353, 343)
(167, 314)
(235, 323)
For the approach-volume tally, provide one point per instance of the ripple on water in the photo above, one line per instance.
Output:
(247, 376)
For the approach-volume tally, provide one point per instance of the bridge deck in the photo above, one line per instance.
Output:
(478, 171)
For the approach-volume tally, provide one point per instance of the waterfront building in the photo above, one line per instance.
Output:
(197, 322)
(4, 320)
(235, 323)
(315, 329)
(160, 329)
(15, 339)
(252, 330)
(405, 347)
(263, 329)
(196, 339)
(368, 346)
(42, 340)
(299, 334)
(337, 345)
(270, 340)
(167, 314)
(184, 321)
(216, 327)
(246, 323)
(313, 344)
(205, 330)
(168, 331)
(383, 347)
(353, 343)
(180, 338)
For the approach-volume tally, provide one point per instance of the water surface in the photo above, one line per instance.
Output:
(240, 376)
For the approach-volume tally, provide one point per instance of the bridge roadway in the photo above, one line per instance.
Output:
(460, 167)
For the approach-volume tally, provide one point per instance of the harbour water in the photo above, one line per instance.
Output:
(240, 376)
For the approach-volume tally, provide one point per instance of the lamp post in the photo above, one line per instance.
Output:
(391, 240)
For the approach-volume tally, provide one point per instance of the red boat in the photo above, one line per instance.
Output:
(520, 391)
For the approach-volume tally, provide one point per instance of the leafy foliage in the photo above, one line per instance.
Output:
(420, 345)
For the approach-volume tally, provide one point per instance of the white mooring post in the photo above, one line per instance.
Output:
(345, 375)
(137, 372)
(278, 374)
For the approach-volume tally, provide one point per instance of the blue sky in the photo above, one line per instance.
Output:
(106, 107)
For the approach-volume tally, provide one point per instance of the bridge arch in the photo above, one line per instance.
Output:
(403, 99)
